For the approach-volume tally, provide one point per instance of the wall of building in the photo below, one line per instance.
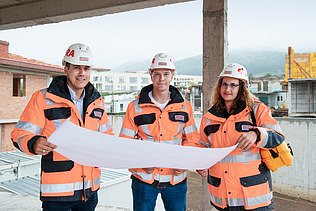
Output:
(5, 141)
(298, 180)
(12, 107)
(302, 98)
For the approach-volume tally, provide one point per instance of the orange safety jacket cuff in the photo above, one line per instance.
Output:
(31, 143)
(269, 138)
(263, 137)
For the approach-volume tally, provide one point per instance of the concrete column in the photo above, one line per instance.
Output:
(214, 54)
(214, 44)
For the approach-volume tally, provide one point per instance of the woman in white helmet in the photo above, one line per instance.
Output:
(240, 181)
(160, 114)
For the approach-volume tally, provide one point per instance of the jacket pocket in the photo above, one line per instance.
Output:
(254, 180)
(145, 119)
(215, 181)
(48, 165)
(57, 113)
(211, 129)
(256, 190)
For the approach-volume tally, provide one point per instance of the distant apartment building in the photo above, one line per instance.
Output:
(269, 90)
(19, 79)
(107, 81)
(117, 103)
(120, 88)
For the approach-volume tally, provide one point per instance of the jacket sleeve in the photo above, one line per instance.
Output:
(270, 132)
(203, 137)
(30, 126)
(191, 136)
(105, 125)
(129, 128)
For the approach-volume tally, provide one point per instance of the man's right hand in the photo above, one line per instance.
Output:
(149, 170)
(43, 147)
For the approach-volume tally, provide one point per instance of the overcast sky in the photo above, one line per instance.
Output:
(176, 29)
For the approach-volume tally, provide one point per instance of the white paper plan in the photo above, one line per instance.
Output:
(93, 148)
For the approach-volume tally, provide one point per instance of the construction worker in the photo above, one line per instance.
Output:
(160, 114)
(240, 181)
(65, 185)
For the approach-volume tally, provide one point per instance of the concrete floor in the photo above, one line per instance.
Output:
(196, 201)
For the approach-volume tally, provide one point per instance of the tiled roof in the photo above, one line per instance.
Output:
(15, 60)
(10, 59)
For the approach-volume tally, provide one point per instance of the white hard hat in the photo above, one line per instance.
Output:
(235, 70)
(162, 60)
(78, 54)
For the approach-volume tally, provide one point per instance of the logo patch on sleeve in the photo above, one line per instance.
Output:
(97, 113)
(246, 127)
(179, 117)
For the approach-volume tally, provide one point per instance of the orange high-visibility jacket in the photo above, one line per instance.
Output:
(240, 179)
(61, 178)
(173, 125)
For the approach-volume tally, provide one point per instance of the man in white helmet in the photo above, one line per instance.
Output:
(65, 185)
(160, 114)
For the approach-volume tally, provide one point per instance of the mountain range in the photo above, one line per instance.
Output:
(256, 62)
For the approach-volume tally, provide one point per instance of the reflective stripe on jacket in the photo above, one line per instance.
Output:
(240, 179)
(173, 125)
(61, 178)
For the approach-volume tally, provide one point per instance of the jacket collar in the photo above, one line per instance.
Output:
(222, 113)
(175, 95)
(59, 88)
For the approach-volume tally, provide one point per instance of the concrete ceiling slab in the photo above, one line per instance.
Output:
(23, 13)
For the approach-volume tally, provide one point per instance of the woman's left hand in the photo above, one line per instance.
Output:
(246, 140)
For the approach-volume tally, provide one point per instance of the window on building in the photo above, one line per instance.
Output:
(108, 88)
(108, 79)
(265, 86)
(133, 80)
(133, 88)
(280, 98)
(121, 88)
(121, 80)
(121, 106)
(18, 86)
(144, 80)
(98, 87)
(259, 87)
(95, 78)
